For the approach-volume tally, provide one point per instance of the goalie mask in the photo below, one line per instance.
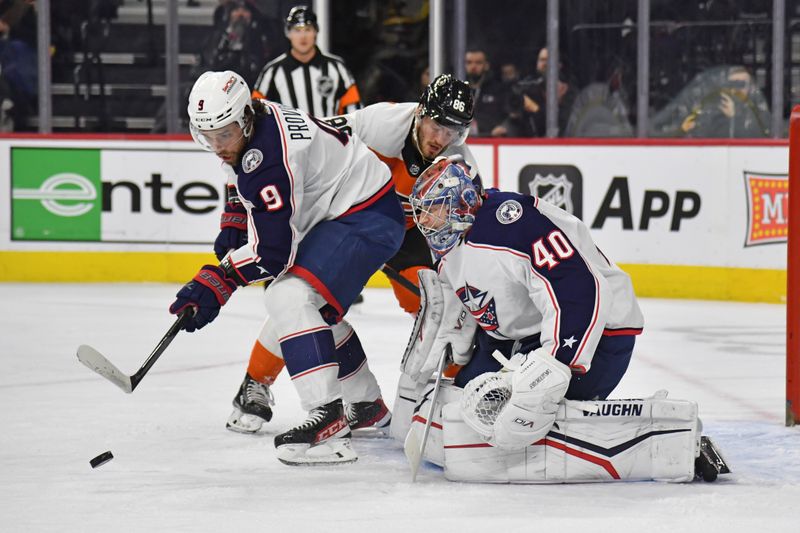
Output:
(217, 100)
(444, 201)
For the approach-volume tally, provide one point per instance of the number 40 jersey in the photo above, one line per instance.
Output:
(527, 267)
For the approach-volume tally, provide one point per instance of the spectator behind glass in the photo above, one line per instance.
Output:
(527, 103)
(489, 94)
(18, 64)
(721, 102)
(242, 40)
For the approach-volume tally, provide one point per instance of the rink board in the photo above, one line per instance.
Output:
(685, 219)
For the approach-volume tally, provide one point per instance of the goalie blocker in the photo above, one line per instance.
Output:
(590, 441)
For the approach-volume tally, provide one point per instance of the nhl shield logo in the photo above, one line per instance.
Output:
(556, 190)
(509, 211)
(251, 160)
(413, 169)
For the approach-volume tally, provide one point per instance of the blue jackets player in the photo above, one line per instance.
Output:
(556, 322)
(321, 217)
(538, 290)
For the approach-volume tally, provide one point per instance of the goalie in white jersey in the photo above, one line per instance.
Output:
(533, 279)
(528, 277)
(321, 216)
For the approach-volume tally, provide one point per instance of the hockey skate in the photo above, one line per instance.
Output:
(323, 439)
(251, 407)
(710, 463)
(368, 419)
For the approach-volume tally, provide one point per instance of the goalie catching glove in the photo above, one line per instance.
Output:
(514, 409)
(208, 291)
(441, 320)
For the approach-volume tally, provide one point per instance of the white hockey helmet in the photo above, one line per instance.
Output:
(444, 201)
(218, 99)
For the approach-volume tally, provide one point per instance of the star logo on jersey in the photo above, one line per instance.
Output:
(480, 306)
(569, 342)
(509, 211)
(325, 85)
(252, 159)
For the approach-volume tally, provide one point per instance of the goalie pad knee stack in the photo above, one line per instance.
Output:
(597, 441)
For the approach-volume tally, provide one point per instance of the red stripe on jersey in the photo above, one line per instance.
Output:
(619, 332)
(320, 287)
(369, 201)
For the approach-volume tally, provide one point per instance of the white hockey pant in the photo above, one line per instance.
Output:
(598, 441)
(293, 307)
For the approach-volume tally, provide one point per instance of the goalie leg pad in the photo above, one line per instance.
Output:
(434, 451)
(441, 320)
(598, 441)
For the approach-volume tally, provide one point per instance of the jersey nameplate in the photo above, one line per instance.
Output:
(252, 159)
(509, 211)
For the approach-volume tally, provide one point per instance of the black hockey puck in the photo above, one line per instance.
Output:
(101, 459)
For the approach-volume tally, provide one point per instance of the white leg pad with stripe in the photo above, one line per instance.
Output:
(597, 441)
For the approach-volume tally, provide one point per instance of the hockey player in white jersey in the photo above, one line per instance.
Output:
(321, 216)
(407, 137)
(556, 323)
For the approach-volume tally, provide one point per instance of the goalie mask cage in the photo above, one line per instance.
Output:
(793, 276)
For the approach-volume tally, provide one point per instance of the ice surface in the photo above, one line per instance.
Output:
(176, 467)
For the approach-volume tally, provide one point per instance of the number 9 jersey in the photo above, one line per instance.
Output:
(295, 173)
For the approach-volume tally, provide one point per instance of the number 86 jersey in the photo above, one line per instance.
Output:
(527, 267)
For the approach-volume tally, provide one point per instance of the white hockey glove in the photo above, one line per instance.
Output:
(441, 320)
(517, 408)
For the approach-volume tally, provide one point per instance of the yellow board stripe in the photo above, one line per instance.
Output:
(656, 281)
(111, 267)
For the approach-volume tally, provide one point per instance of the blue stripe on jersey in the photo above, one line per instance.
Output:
(308, 351)
(570, 283)
(269, 188)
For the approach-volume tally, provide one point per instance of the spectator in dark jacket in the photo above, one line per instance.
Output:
(489, 93)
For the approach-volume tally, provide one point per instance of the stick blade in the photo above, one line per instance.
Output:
(98, 363)
(413, 450)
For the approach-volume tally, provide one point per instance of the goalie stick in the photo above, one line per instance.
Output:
(414, 447)
(97, 362)
(395, 275)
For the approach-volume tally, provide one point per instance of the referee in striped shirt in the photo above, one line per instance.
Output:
(305, 78)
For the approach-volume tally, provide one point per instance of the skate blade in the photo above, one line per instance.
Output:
(240, 422)
(330, 452)
(371, 433)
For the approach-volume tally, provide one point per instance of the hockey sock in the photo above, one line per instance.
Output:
(264, 365)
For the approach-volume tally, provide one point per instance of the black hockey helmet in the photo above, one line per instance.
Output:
(301, 16)
(448, 101)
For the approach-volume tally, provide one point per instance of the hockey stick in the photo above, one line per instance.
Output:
(414, 447)
(395, 276)
(97, 362)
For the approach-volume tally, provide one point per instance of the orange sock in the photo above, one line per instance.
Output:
(451, 370)
(264, 365)
(407, 299)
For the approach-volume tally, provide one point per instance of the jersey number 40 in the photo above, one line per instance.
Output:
(545, 250)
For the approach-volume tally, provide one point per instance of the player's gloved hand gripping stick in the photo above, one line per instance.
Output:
(98, 362)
